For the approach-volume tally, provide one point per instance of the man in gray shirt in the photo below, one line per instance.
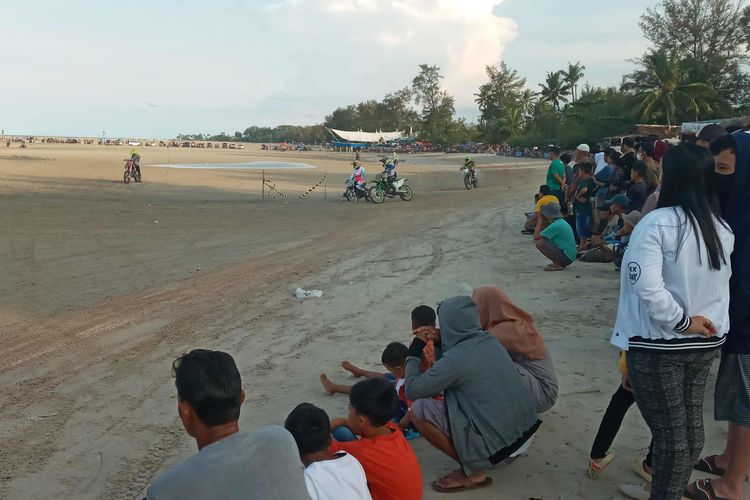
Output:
(229, 464)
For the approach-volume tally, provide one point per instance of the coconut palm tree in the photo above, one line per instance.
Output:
(554, 89)
(573, 76)
(513, 122)
(527, 102)
(660, 88)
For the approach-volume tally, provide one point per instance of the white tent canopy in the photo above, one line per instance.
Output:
(366, 137)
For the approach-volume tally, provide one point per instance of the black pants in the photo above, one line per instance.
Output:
(621, 401)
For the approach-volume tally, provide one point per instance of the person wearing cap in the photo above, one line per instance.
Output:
(709, 134)
(581, 155)
(732, 394)
(554, 238)
(544, 197)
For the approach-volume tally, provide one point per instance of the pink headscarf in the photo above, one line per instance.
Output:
(508, 323)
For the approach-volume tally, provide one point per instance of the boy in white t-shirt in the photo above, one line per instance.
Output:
(328, 476)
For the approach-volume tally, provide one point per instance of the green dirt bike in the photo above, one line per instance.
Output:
(381, 188)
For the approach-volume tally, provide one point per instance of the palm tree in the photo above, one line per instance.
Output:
(661, 88)
(512, 123)
(527, 101)
(554, 89)
(573, 76)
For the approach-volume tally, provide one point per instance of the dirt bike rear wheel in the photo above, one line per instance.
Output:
(475, 181)
(406, 193)
(137, 177)
(377, 195)
(467, 182)
(126, 177)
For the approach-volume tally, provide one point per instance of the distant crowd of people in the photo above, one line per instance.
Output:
(675, 221)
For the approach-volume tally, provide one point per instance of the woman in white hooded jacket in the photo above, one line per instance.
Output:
(673, 313)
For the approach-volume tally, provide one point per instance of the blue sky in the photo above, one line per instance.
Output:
(156, 69)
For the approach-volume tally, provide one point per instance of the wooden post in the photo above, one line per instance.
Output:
(263, 188)
(325, 180)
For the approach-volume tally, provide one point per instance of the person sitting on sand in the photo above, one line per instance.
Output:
(393, 359)
(554, 238)
(391, 467)
(481, 425)
(329, 476)
(544, 197)
(230, 463)
(515, 329)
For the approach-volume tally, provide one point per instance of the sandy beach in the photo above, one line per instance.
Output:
(104, 284)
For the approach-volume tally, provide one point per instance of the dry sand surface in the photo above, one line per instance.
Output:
(102, 284)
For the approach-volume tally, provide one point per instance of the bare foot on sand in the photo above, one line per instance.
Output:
(351, 369)
(327, 384)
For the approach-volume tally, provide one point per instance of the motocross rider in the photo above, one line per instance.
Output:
(389, 170)
(471, 165)
(358, 175)
(136, 158)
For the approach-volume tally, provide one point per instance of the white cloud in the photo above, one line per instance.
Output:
(392, 37)
(266, 62)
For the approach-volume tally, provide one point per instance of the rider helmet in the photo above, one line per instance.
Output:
(133, 152)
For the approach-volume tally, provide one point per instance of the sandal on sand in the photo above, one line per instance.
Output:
(703, 490)
(596, 467)
(639, 467)
(554, 267)
(708, 465)
(464, 487)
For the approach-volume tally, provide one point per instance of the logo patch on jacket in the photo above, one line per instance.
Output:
(634, 272)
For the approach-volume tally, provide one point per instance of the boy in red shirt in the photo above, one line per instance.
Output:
(391, 467)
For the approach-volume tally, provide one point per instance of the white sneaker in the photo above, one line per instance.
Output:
(637, 492)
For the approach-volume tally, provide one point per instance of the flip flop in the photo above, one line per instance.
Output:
(553, 268)
(703, 490)
(596, 467)
(708, 465)
(474, 486)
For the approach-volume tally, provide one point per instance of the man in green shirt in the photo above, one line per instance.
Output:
(555, 172)
(554, 238)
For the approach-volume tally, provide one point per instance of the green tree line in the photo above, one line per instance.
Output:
(696, 67)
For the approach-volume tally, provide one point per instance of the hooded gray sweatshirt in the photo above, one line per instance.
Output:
(491, 414)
